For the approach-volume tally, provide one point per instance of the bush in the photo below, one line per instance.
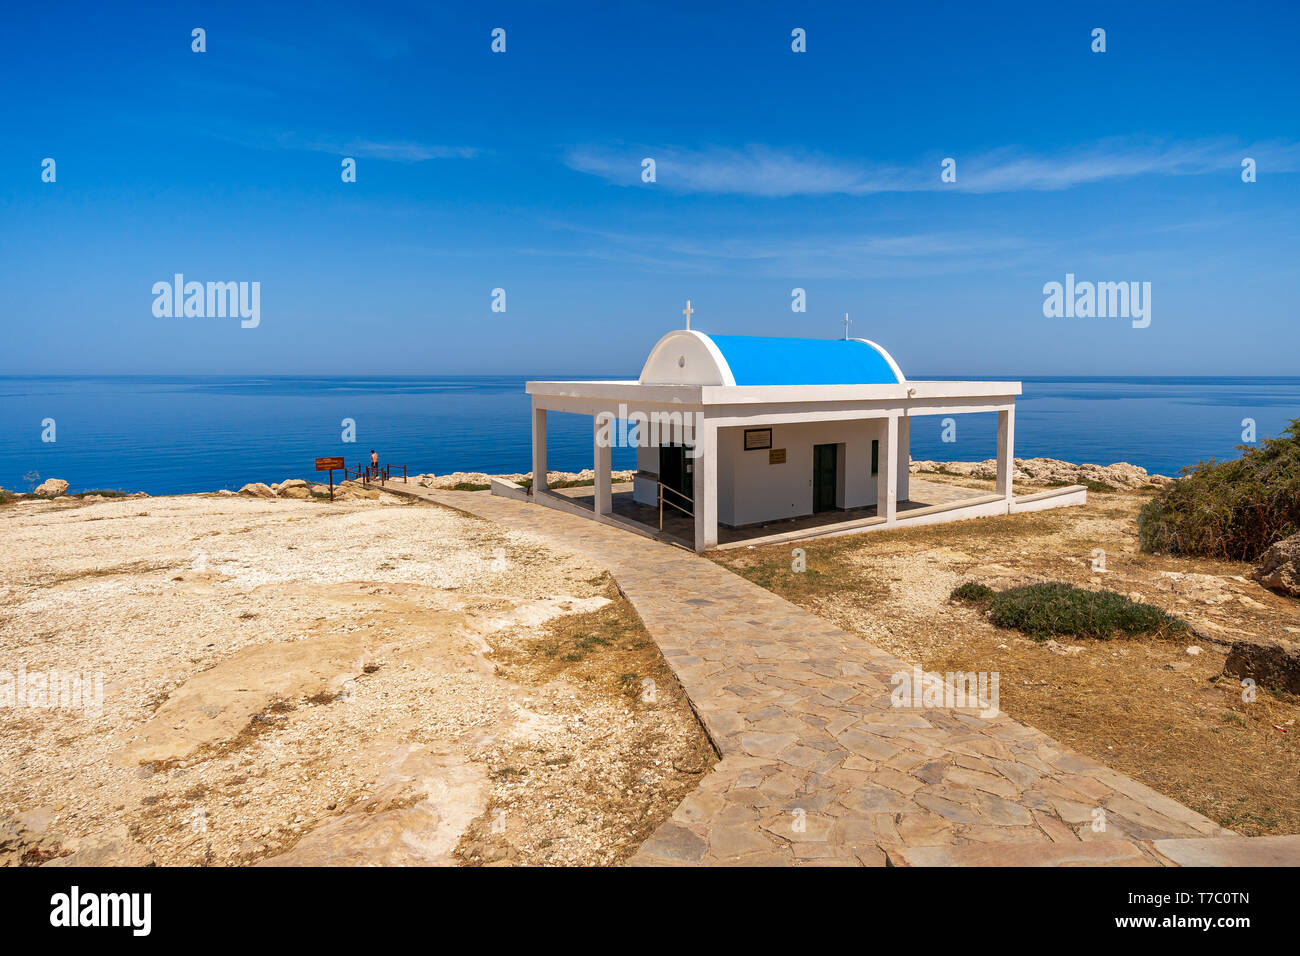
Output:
(1229, 509)
(1052, 609)
(973, 591)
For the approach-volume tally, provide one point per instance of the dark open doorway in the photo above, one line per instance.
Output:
(676, 472)
(825, 468)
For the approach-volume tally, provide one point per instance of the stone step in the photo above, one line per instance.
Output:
(1099, 853)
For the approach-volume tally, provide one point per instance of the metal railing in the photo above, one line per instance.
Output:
(672, 504)
(368, 473)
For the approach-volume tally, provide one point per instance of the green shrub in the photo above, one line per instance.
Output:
(1056, 609)
(973, 591)
(1229, 509)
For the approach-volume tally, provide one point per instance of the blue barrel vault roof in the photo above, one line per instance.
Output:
(759, 360)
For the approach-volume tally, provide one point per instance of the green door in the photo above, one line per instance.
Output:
(825, 459)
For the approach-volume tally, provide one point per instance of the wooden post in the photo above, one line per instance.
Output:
(329, 464)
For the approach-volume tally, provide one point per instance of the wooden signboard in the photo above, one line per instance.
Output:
(776, 456)
(329, 464)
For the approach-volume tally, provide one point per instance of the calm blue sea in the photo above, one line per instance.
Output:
(184, 434)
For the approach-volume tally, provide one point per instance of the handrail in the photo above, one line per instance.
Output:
(672, 504)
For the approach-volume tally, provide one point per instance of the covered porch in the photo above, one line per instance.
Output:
(766, 494)
(675, 527)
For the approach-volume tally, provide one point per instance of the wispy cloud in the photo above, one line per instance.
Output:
(400, 151)
(842, 256)
(764, 171)
(753, 170)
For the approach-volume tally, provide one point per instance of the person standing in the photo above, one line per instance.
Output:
(374, 463)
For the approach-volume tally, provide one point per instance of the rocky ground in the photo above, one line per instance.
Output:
(477, 478)
(1048, 472)
(1162, 711)
(295, 681)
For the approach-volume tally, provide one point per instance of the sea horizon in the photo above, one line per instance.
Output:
(189, 433)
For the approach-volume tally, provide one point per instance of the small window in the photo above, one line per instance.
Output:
(875, 457)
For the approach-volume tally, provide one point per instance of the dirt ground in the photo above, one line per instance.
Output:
(294, 682)
(1154, 709)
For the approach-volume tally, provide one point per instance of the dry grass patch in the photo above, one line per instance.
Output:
(635, 752)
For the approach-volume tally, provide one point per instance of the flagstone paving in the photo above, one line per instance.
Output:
(816, 765)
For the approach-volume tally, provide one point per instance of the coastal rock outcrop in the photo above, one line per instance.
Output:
(256, 489)
(51, 488)
(1051, 471)
(355, 489)
(293, 488)
(469, 478)
(1279, 566)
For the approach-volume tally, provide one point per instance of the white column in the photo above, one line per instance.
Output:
(539, 448)
(602, 439)
(904, 458)
(887, 474)
(1006, 450)
(705, 491)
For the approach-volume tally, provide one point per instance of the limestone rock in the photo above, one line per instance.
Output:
(355, 489)
(256, 490)
(1050, 471)
(1064, 650)
(292, 488)
(1270, 663)
(1279, 566)
(430, 480)
(112, 847)
(51, 488)
(26, 839)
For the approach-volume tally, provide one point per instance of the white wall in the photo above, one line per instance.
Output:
(645, 491)
(750, 490)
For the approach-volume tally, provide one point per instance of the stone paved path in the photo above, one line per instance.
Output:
(816, 766)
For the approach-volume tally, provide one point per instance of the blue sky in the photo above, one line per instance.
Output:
(522, 171)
